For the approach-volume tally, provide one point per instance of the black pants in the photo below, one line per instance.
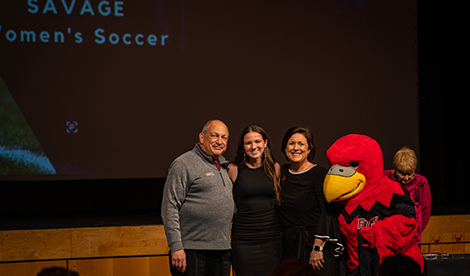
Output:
(205, 263)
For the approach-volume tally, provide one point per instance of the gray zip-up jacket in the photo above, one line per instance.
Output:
(197, 205)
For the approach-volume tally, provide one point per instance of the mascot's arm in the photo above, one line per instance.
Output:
(394, 235)
(390, 235)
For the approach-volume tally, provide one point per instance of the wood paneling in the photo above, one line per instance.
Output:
(139, 266)
(138, 249)
(118, 241)
(53, 244)
(131, 266)
(452, 223)
(34, 245)
(159, 266)
(29, 268)
(89, 251)
(439, 233)
(94, 267)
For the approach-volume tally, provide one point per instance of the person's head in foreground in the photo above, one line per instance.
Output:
(57, 271)
(399, 265)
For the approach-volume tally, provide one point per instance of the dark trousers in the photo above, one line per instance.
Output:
(205, 263)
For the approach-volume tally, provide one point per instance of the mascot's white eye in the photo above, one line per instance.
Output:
(342, 170)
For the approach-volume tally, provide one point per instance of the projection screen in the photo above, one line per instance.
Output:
(118, 89)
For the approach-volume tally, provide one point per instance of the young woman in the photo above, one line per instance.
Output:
(256, 232)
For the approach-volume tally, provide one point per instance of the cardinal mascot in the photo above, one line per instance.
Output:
(376, 217)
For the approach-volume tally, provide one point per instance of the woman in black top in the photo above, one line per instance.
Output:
(256, 232)
(305, 222)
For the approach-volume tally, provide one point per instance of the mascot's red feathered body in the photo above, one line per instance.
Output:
(377, 217)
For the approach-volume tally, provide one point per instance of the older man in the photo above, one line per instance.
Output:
(197, 206)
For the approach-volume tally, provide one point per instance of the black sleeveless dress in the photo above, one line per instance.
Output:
(256, 232)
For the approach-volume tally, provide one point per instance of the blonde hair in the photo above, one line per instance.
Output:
(405, 160)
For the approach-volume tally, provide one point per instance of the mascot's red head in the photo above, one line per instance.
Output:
(356, 171)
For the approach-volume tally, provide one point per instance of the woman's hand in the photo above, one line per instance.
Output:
(316, 259)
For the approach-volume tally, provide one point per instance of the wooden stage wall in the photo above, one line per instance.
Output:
(447, 234)
(101, 251)
(143, 251)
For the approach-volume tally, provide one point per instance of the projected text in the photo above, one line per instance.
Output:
(110, 9)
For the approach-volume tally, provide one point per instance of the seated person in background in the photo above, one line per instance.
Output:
(404, 172)
(399, 265)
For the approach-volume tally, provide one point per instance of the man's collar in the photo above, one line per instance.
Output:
(222, 161)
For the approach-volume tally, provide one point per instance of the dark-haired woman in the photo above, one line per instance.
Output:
(306, 224)
(256, 232)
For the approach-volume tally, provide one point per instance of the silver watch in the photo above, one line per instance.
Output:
(317, 248)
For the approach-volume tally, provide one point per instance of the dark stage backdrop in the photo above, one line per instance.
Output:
(118, 89)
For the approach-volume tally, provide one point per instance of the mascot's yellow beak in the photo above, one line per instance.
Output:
(342, 183)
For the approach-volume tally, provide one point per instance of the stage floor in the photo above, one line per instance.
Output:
(450, 267)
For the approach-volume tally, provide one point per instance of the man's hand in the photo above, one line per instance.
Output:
(178, 260)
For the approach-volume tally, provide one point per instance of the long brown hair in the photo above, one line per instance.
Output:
(268, 158)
